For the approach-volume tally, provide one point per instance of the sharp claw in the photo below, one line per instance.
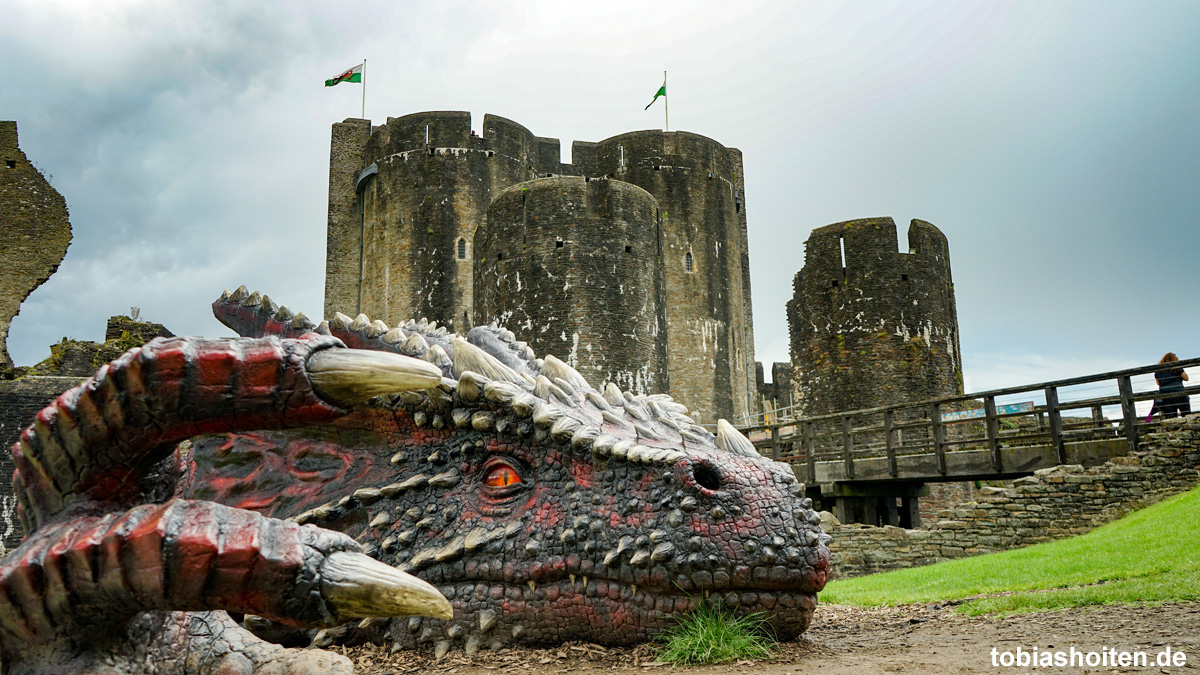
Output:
(356, 586)
(348, 376)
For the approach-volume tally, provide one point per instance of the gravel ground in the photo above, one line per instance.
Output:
(863, 641)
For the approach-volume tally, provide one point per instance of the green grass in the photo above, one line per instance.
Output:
(1151, 556)
(711, 634)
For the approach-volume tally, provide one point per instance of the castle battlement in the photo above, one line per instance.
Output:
(407, 197)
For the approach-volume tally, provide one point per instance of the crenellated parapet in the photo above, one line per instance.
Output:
(407, 197)
(871, 325)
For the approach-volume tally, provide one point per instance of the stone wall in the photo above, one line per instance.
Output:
(34, 231)
(20, 401)
(870, 325)
(1052, 504)
(548, 259)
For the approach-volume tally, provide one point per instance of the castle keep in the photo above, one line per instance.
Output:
(871, 326)
(631, 262)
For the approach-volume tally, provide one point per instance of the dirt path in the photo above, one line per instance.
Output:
(858, 641)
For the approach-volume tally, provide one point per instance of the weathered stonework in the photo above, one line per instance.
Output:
(571, 263)
(871, 326)
(1051, 504)
(34, 231)
(406, 199)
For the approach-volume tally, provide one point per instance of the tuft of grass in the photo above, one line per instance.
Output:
(711, 634)
(1148, 556)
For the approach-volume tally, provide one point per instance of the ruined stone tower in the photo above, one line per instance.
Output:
(34, 230)
(406, 198)
(869, 325)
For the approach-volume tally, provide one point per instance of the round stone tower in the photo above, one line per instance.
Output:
(570, 264)
(869, 325)
(697, 182)
(404, 201)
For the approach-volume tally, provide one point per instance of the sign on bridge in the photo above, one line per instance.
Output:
(979, 412)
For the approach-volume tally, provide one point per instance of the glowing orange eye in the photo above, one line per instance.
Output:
(502, 476)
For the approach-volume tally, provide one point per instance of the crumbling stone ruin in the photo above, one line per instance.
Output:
(870, 325)
(34, 231)
(641, 239)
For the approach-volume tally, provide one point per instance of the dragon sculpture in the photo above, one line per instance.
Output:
(544, 510)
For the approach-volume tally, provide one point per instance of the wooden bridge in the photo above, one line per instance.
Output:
(872, 465)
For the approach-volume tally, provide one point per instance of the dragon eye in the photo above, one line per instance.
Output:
(502, 475)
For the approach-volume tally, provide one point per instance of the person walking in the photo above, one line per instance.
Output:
(1170, 381)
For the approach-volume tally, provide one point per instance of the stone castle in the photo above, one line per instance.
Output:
(631, 262)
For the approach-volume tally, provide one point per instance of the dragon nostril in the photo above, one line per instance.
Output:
(706, 477)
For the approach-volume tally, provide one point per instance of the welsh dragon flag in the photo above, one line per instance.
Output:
(662, 91)
(352, 75)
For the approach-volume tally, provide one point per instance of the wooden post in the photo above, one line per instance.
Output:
(775, 441)
(891, 514)
(847, 445)
(935, 420)
(1056, 439)
(993, 433)
(910, 513)
(810, 439)
(887, 439)
(1128, 412)
(1097, 416)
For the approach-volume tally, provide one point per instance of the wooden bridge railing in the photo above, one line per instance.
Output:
(925, 427)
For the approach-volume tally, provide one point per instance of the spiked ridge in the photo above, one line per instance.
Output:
(543, 508)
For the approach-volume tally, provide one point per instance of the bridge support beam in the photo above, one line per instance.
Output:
(884, 503)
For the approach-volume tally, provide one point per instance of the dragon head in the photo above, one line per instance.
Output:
(544, 509)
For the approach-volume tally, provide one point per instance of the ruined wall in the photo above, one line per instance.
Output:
(570, 264)
(869, 325)
(20, 401)
(405, 208)
(34, 231)
(1051, 504)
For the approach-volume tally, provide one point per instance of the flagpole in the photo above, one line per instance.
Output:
(666, 106)
(364, 92)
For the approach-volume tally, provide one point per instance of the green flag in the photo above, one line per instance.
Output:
(662, 91)
(352, 75)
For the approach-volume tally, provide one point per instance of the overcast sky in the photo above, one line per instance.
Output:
(1056, 144)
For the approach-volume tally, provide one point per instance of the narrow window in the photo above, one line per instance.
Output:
(903, 277)
(10, 163)
(687, 262)
(835, 283)
(462, 249)
(499, 256)
(842, 243)
(558, 242)
(628, 249)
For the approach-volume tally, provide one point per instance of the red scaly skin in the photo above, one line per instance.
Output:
(113, 564)
(587, 545)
